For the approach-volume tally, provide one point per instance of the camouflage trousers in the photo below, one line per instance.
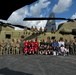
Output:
(2, 50)
(71, 50)
(8, 50)
(13, 50)
(20, 50)
(17, 50)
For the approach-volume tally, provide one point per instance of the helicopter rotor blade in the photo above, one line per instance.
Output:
(42, 18)
(30, 19)
(20, 26)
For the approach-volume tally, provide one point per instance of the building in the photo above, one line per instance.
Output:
(51, 25)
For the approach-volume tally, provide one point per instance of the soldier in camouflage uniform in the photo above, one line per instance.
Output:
(8, 46)
(71, 47)
(2, 47)
(21, 46)
(13, 45)
(75, 46)
(66, 43)
(17, 46)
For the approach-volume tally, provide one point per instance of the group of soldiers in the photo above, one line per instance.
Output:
(16, 46)
(9, 47)
(37, 47)
(58, 47)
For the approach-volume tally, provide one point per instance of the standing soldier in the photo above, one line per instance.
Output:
(45, 30)
(25, 49)
(71, 47)
(0, 49)
(36, 30)
(36, 43)
(21, 46)
(40, 30)
(32, 30)
(2, 46)
(25, 30)
(13, 45)
(8, 46)
(67, 44)
(75, 46)
(17, 46)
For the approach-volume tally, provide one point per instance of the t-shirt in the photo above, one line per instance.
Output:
(62, 49)
(61, 43)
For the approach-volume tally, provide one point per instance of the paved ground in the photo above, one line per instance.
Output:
(37, 65)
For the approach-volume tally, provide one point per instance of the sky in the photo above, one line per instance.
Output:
(43, 8)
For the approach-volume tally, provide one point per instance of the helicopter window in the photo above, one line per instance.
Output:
(8, 36)
(75, 37)
(53, 37)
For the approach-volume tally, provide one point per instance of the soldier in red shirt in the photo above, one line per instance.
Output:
(25, 50)
(36, 46)
(32, 50)
(25, 43)
(32, 45)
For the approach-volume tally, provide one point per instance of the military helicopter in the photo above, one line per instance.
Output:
(62, 31)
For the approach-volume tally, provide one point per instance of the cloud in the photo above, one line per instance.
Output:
(27, 11)
(74, 16)
(4, 21)
(16, 28)
(62, 6)
(18, 16)
(38, 24)
(36, 8)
